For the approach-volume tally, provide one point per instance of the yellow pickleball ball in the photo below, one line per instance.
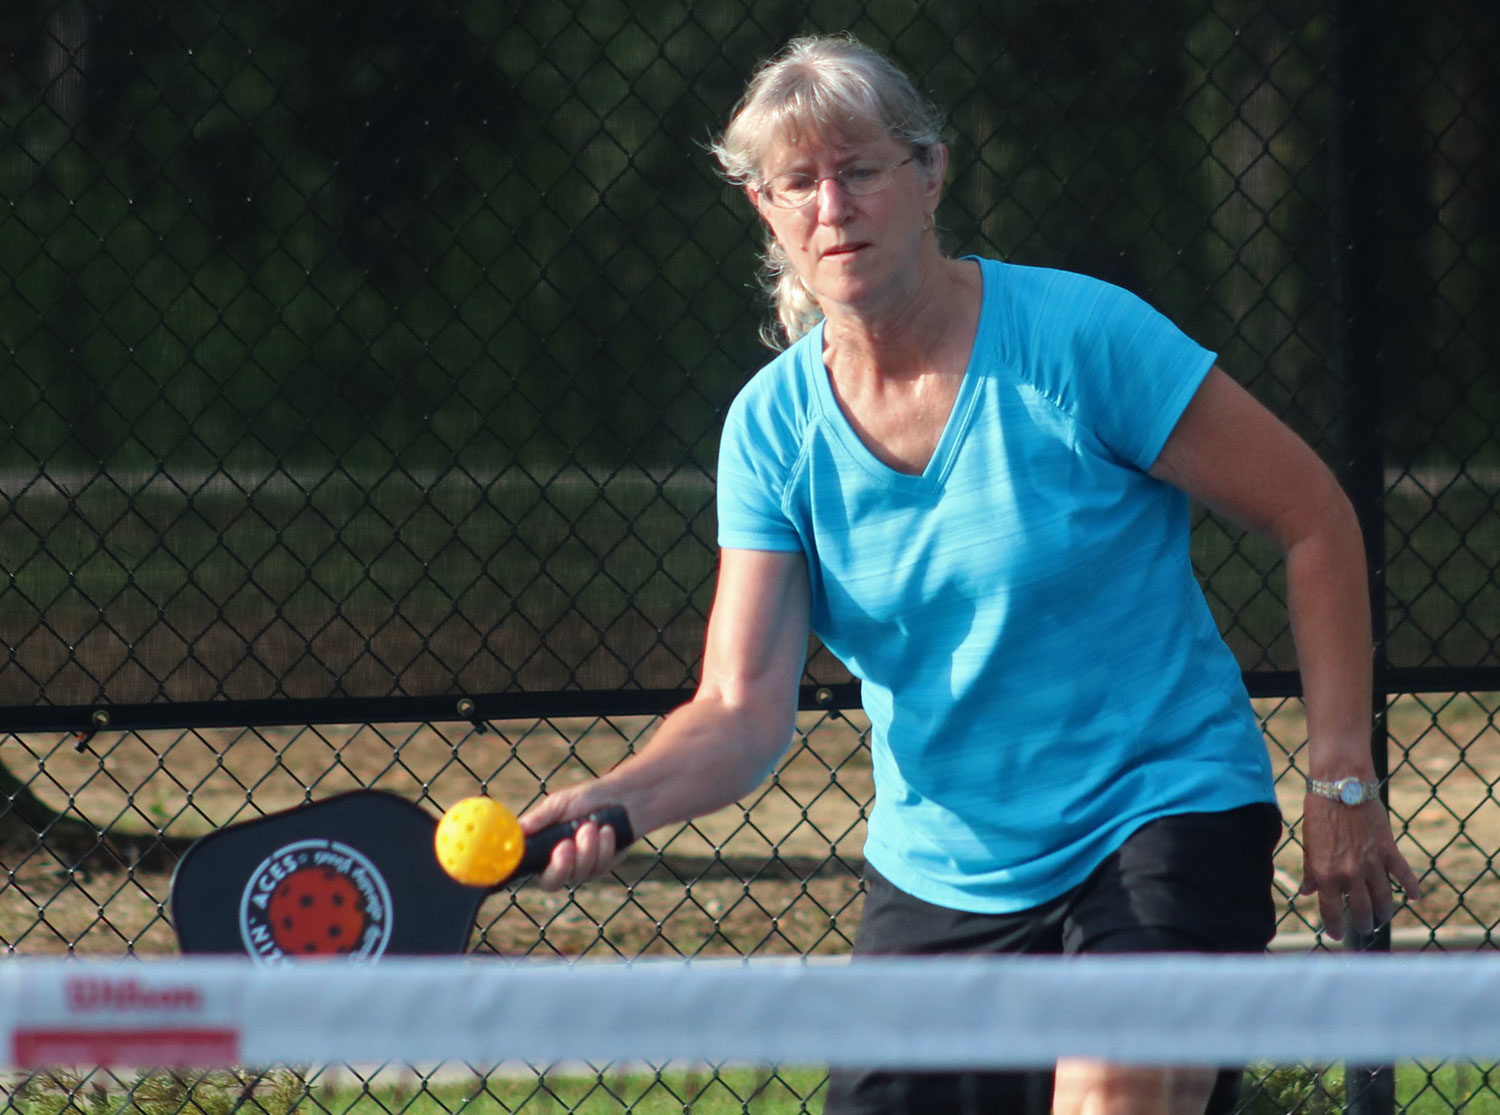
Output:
(479, 842)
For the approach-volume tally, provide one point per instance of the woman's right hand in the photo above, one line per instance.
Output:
(590, 852)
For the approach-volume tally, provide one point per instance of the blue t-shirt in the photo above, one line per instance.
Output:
(1040, 668)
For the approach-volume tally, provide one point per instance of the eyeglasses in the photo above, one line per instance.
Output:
(795, 189)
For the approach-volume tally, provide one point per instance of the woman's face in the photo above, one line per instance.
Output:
(851, 249)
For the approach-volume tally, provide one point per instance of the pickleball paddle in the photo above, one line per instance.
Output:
(356, 875)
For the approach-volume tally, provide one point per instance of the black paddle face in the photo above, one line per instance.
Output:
(352, 876)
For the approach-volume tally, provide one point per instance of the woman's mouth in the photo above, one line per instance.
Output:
(842, 250)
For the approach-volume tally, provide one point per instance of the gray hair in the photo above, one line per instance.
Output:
(827, 85)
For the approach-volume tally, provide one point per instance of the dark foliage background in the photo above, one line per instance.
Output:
(357, 350)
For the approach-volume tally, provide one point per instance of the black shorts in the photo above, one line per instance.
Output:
(1196, 882)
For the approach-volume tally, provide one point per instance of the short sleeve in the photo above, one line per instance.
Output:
(757, 449)
(1127, 372)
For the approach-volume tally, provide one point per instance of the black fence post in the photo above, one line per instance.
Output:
(1369, 1090)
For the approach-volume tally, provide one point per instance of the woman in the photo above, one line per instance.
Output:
(972, 480)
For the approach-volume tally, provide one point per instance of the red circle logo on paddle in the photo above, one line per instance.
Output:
(315, 898)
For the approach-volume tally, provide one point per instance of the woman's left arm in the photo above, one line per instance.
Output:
(1236, 458)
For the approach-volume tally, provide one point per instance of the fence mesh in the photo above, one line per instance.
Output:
(366, 358)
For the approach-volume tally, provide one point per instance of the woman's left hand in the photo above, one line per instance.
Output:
(1231, 454)
(1349, 860)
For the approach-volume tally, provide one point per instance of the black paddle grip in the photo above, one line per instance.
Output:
(539, 845)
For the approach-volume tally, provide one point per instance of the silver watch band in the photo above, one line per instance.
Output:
(1349, 791)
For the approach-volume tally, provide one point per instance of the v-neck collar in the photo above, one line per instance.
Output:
(954, 429)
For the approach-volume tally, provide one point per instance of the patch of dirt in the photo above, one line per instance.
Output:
(776, 874)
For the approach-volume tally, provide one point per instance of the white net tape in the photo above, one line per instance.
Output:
(915, 1013)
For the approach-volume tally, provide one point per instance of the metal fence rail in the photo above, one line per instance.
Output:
(361, 367)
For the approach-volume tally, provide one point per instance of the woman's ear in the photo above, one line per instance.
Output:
(937, 170)
(754, 195)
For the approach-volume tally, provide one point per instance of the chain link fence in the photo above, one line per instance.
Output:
(363, 366)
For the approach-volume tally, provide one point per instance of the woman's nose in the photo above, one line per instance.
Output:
(832, 201)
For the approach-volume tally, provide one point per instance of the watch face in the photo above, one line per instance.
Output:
(1351, 792)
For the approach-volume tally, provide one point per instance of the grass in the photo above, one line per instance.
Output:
(1420, 1090)
(704, 1090)
(1439, 1089)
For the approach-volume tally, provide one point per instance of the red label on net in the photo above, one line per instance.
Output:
(165, 1048)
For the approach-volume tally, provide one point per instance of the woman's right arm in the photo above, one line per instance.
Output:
(721, 744)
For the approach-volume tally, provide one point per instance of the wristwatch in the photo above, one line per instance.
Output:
(1350, 791)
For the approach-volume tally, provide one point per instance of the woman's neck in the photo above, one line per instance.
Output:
(896, 380)
(911, 335)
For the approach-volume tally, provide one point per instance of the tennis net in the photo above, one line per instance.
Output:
(922, 1014)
